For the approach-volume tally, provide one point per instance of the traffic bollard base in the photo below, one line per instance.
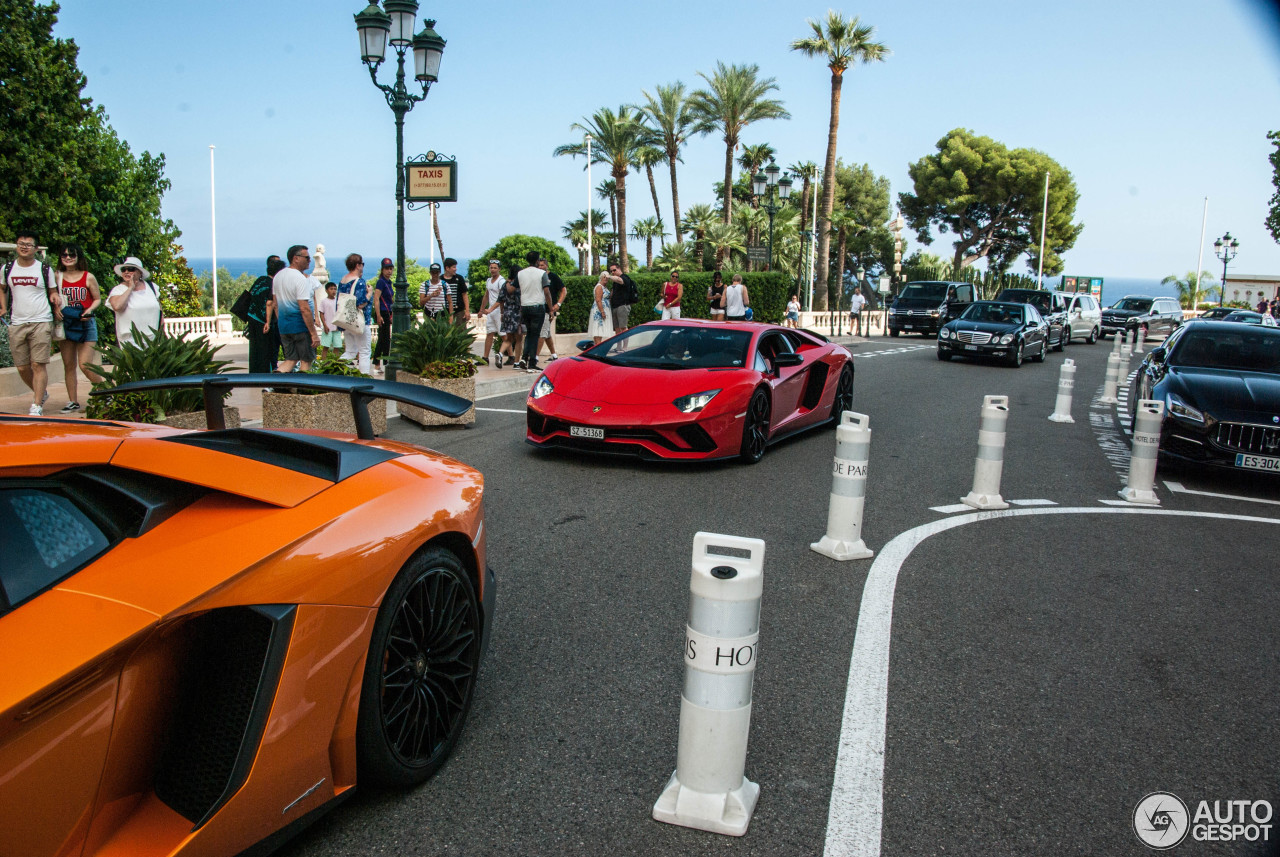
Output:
(1061, 418)
(1136, 495)
(1108, 400)
(842, 550)
(722, 812)
(984, 501)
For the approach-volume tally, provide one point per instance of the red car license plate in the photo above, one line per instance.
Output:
(586, 431)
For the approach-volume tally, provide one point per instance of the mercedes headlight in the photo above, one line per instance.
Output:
(944, 333)
(1179, 408)
(935, 312)
(542, 388)
(1006, 339)
(694, 403)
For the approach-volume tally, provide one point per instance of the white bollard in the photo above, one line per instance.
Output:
(1122, 368)
(1115, 346)
(990, 461)
(708, 790)
(1127, 348)
(1142, 338)
(848, 490)
(1112, 382)
(1146, 449)
(1066, 383)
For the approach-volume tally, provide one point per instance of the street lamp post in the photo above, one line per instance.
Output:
(775, 192)
(1225, 249)
(375, 28)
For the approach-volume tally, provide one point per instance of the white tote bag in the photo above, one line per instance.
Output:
(349, 317)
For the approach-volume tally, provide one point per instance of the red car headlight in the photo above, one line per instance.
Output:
(693, 403)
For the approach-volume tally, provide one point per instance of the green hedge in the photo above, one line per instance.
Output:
(768, 293)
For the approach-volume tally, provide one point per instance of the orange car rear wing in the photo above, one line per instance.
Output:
(361, 390)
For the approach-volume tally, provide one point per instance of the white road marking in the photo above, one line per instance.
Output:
(1177, 488)
(856, 814)
(504, 410)
(1115, 502)
(1033, 502)
(952, 509)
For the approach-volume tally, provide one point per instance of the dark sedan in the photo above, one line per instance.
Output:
(1052, 306)
(1220, 384)
(995, 329)
(1245, 316)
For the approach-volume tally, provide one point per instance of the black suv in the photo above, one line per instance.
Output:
(1154, 315)
(1051, 305)
(924, 307)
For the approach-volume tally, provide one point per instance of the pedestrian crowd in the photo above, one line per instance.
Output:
(1271, 307)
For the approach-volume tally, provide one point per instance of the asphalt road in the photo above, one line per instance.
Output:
(1046, 669)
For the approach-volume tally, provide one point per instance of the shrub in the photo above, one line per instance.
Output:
(436, 348)
(161, 356)
(768, 293)
(6, 359)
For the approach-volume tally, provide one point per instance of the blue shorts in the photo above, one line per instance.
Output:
(85, 330)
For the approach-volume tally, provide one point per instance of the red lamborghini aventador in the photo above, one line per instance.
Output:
(691, 390)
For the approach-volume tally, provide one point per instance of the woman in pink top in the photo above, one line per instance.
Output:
(672, 292)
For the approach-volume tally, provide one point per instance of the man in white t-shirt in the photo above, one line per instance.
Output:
(491, 309)
(28, 288)
(856, 303)
(535, 297)
(293, 292)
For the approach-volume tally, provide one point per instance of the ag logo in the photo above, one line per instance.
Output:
(1160, 820)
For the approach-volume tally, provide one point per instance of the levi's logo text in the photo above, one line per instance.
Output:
(1162, 821)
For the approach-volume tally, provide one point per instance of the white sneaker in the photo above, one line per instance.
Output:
(553, 357)
(36, 411)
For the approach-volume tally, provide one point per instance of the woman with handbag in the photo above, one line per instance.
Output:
(356, 322)
(80, 297)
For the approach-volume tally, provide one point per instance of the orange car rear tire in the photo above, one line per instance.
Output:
(420, 675)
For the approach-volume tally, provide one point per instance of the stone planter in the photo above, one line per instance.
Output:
(324, 412)
(196, 419)
(463, 387)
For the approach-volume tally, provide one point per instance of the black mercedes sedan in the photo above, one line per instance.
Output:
(1220, 384)
(995, 329)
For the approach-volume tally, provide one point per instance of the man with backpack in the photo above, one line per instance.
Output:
(29, 290)
(625, 293)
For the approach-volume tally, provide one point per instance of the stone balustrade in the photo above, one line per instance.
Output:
(217, 328)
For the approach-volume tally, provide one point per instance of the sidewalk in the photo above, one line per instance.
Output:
(490, 381)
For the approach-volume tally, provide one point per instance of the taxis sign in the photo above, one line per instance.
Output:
(431, 178)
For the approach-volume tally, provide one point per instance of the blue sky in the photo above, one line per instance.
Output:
(1151, 106)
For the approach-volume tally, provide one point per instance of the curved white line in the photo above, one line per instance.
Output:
(857, 794)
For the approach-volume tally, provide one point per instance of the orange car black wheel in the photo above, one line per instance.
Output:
(421, 672)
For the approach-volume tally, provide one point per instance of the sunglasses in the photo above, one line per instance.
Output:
(67, 254)
(128, 270)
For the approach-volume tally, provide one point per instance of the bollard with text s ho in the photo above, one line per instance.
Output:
(709, 790)
(1146, 449)
(848, 491)
(989, 465)
(1066, 383)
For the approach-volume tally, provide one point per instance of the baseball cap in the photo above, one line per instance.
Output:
(387, 263)
(435, 267)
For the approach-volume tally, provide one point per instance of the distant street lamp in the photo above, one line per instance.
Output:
(1225, 249)
(766, 184)
(375, 28)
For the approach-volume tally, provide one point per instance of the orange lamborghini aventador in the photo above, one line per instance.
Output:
(207, 638)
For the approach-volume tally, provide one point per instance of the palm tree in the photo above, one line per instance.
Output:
(1191, 288)
(807, 171)
(669, 113)
(735, 98)
(725, 238)
(678, 257)
(842, 42)
(646, 229)
(647, 156)
(616, 139)
(843, 223)
(575, 232)
(753, 159)
(697, 220)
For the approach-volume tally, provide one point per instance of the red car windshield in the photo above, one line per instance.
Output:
(672, 347)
